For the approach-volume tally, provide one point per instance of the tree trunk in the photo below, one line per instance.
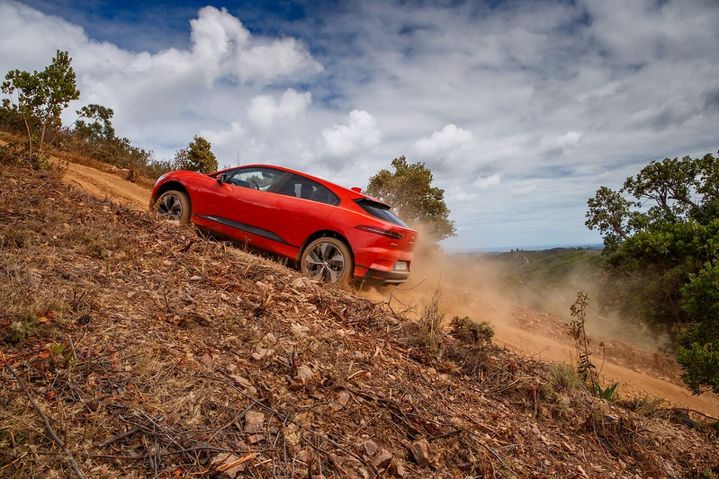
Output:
(29, 135)
(42, 136)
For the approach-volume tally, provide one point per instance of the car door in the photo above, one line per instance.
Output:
(303, 206)
(240, 198)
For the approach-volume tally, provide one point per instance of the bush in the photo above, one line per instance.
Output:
(198, 156)
(565, 378)
(16, 154)
(429, 325)
(470, 331)
(661, 234)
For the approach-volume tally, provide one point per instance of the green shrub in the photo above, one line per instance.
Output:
(468, 330)
(565, 378)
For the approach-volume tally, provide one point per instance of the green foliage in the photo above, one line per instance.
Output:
(662, 258)
(610, 213)
(39, 98)
(565, 378)
(93, 135)
(198, 156)
(94, 123)
(605, 393)
(15, 154)
(701, 363)
(33, 107)
(21, 329)
(410, 192)
(468, 330)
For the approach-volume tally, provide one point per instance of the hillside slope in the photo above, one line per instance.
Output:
(154, 352)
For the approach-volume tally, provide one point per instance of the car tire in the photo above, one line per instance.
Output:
(174, 205)
(321, 259)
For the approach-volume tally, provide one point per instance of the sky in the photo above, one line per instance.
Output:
(521, 109)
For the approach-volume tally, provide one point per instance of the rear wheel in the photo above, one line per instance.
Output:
(174, 205)
(328, 260)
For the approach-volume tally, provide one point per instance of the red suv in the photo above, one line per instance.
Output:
(333, 233)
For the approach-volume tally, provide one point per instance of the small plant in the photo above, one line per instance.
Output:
(21, 329)
(429, 324)
(585, 368)
(468, 330)
(605, 393)
(59, 356)
(565, 377)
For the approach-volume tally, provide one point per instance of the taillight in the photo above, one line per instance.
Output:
(380, 231)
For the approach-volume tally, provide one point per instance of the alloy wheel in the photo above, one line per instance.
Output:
(170, 207)
(325, 262)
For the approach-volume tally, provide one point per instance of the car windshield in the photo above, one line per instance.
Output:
(381, 211)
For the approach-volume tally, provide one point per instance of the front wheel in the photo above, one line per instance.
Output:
(174, 205)
(328, 260)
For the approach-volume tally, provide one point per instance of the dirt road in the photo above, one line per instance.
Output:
(638, 379)
(107, 185)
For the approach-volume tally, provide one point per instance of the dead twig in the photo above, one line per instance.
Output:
(46, 420)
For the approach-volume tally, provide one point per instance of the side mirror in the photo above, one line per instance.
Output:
(220, 178)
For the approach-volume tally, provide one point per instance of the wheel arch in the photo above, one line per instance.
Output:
(171, 185)
(177, 186)
(324, 233)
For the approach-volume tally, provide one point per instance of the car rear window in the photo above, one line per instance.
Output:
(304, 188)
(381, 211)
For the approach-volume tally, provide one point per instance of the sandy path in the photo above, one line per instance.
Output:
(631, 383)
(107, 185)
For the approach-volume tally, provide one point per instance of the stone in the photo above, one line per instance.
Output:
(383, 459)
(420, 452)
(305, 374)
(370, 448)
(254, 421)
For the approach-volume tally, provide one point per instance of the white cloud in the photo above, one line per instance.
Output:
(444, 142)
(556, 145)
(484, 182)
(266, 112)
(522, 107)
(360, 133)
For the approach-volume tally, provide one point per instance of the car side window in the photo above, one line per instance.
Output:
(256, 178)
(304, 188)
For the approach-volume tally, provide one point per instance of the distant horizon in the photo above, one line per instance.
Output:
(507, 249)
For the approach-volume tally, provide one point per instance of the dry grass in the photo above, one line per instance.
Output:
(153, 352)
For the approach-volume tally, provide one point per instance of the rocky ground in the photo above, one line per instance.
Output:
(149, 351)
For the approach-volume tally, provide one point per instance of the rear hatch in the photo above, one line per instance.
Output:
(399, 235)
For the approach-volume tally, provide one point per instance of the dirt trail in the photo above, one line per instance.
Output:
(631, 382)
(639, 372)
(102, 184)
(549, 343)
(107, 185)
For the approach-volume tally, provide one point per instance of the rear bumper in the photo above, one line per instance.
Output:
(376, 276)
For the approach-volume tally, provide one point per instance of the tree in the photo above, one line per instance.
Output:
(198, 156)
(661, 236)
(410, 192)
(40, 97)
(94, 123)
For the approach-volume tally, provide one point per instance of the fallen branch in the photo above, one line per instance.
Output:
(48, 427)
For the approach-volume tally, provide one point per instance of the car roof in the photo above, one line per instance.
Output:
(332, 186)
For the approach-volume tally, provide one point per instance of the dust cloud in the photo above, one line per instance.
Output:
(487, 288)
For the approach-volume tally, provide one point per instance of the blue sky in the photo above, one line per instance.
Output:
(522, 109)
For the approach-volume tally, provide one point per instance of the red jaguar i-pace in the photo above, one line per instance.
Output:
(334, 234)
